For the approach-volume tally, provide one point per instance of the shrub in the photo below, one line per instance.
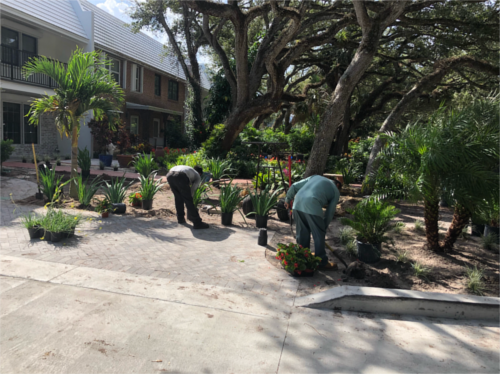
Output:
(6, 150)
(116, 191)
(86, 191)
(372, 220)
(475, 280)
(212, 145)
(295, 258)
(84, 160)
(149, 186)
(145, 164)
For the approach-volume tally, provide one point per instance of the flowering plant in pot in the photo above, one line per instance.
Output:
(297, 260)
(149, 188)
(103, 207)
(263, 202)
(230, 198)
(135, 199)
(372, 219)
(33, 223)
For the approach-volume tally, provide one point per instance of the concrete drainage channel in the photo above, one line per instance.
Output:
(405, 302)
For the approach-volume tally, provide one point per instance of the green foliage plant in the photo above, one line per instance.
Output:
(296, 259)
(372, 219)
(145, 164)
(84, 160)
(475, 282)
(420, 270)
(103, 206)
(52, 186)
(150, 186)
(230, 198)
(347, 234)
(31, 220)
(219, 168)
(83, 84)
(263, 201)
(116, 191)
(200, 194)
(86, 190)
(6, 150)
(348, 170)
(398, 228)
(402, 256)
(351, 249)
(58, 221)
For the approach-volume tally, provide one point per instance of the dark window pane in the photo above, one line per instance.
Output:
(12, 122)
(30, 131)
(10, 38)
(173, 90)
(157, 85)
(29, 44)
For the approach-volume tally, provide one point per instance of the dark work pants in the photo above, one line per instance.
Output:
(307, 224)
(180, 185)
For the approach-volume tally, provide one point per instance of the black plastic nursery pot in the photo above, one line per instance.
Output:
(119, 208)
(147, 204)
(261, 221)
(247, 206)
(477, 230)
(68, 234)
(369, 253)
(35, 232)
(282, 211)
(226, 219)
(55, 237)
(85, 174)
(491, 230)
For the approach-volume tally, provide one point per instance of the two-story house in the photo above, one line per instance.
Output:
(154, 83)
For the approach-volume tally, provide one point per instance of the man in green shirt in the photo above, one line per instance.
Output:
(310, 195)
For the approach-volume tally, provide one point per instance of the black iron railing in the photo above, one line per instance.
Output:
(11, 63)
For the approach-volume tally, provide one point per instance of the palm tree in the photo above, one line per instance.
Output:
(455, 154)
(84, 85)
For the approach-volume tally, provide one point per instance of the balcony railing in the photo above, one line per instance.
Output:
(11, 63)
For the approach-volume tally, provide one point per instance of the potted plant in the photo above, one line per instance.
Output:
(263, 202)
(145, 164)
(115, 192)
(58, 161)
(101, 165)
(149, 188)
(33, 223)
(230, 198)
(372, 219)
(103, 207)
(84, 162)
(297, 260)
(135, 199)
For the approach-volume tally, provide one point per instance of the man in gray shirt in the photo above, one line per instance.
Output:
(184, 180)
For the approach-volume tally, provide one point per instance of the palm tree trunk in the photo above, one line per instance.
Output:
(431, 217)
(461, 218)
(73, 190)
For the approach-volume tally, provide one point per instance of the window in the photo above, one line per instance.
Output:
(30, 131)
(10, 46)
(114, 69)
(157, 85)
(29, 48)
(156, 128)
(136, 78)
(12, 122)
(173, 90)
(134, 125)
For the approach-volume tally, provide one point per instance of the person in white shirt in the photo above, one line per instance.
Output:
(184, 180)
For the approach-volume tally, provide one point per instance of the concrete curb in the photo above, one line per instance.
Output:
(381, 300)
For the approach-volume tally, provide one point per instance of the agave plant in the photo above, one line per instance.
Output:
(116, 191)
(264, 201)
(455, 154)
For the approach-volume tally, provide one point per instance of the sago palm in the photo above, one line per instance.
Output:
(84, 85)
(454, 154)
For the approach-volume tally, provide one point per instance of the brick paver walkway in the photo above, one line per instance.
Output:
(227, 257)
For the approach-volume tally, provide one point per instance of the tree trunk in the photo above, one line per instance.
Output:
(288, 123)
(341, 145)
(279, 120)
(461, 218)
(431, 217)
(73, 190)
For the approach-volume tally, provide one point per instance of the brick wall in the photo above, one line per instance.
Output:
(48, 141)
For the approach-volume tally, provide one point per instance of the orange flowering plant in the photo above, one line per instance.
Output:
(296, 259)
(135, 198)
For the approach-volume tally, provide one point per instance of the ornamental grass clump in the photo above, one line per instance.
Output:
(475, 282)
(116, 191)
(60, 222)
(51, 185)
(84, 160)
(31, 220)
(230, 198)
(263, 201)
(149, 186)
(86, 190)
(145, 164)
(347, 234)
(219, 168)
(372, 220)
(296, 259)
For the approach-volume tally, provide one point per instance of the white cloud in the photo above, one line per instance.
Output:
(117, 8)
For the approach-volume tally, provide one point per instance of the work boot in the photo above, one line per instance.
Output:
(201, 225)
(181, 220)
